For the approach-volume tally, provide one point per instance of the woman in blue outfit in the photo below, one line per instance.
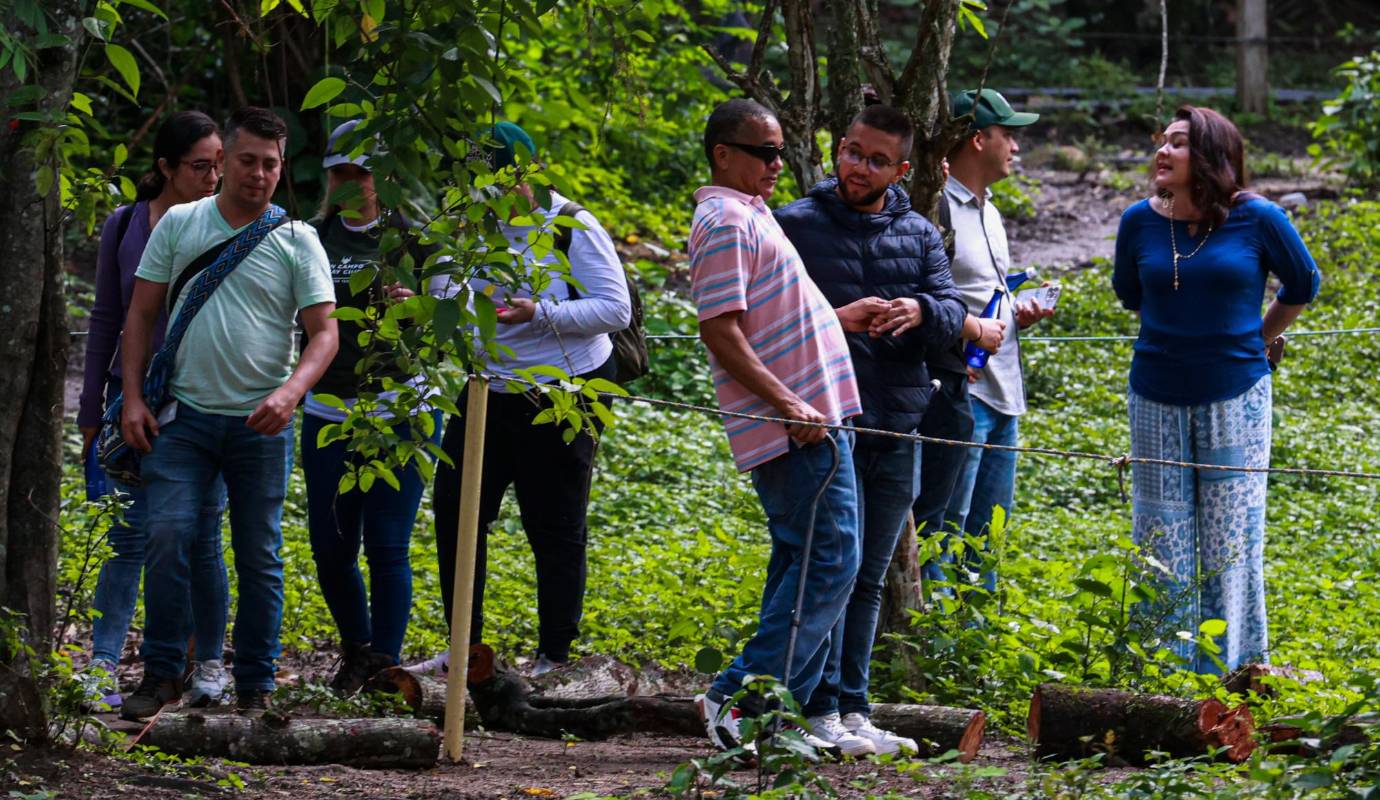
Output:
(186, 167)
(1194, 260)
(371, 624)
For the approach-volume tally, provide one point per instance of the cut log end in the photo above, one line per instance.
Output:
(971, 741)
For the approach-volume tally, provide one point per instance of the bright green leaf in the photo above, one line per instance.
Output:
(323, 92)
(124, 63)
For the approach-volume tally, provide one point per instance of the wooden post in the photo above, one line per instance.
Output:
(471, 473)
(1252, 56)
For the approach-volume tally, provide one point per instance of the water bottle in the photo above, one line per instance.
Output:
(974, 355)
(95, 476)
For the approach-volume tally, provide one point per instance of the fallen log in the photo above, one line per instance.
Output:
(507, 702)
(937, 729)
(1073, 722)
(1248, 678)
(1293, 740)
(387, 743)
(423, 694)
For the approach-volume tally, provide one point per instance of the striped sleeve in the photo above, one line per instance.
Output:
(722, 253)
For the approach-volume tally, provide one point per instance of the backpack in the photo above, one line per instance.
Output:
(630, 343)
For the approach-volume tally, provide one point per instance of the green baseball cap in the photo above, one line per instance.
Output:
(992, 109)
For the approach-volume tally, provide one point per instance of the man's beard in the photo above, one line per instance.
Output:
(847, 193)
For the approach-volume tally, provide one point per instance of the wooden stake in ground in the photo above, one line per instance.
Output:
(472, 463)
(1075, 722)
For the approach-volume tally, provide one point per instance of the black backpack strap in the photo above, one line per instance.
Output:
(203, 261)
(564, 235)
(122, 225)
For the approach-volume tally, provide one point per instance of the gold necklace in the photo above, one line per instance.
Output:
(1174, 244)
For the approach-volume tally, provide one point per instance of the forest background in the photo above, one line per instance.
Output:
(615, 94)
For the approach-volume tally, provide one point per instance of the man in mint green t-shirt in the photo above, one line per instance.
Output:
(234, 391)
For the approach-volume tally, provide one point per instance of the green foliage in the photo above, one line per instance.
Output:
(1348, 132)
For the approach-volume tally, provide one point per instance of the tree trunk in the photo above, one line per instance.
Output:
(845, 67)
(799, 115)
(33, 348)
(1290, 740)
(506, 702)
(937, 729)
(1076, 722)
(903, 591)
(389, 743)
(922, 92)
(1252, 56)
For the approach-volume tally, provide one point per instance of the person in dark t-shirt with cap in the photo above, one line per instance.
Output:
(371, 624)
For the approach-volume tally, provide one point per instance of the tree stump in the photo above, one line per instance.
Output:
(1072, 722)
(937, 729)
(387, 743)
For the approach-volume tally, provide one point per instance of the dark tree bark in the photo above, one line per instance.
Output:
(845, 66)
(1076, 722)
(922, 92)
(33, 348)
(388, 743)
(1248, 678)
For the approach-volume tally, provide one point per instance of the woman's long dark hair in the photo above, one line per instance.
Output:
(1216, 161)
(175, 139)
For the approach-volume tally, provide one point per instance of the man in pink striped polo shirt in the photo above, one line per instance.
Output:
(777, 349)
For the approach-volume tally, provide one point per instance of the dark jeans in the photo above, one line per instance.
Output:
(381, 519)
(191, 455)
(787, 485)
(551, 479)
(887, 472)
(949, 416)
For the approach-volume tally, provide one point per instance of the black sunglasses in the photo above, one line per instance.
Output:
(767, 152)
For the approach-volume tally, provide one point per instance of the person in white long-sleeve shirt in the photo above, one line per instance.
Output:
(559, 325)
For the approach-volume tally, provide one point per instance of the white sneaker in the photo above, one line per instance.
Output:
(208, 686)
(719, 722)
(886, 742)
(833, 734)
(437, 667)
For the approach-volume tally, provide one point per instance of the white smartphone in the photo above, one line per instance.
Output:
(1046, 296)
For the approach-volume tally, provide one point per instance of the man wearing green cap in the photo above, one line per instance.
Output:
(981, 479)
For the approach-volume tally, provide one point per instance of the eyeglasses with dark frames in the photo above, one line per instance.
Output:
(767, 152)
(202, 165)
(854, 156)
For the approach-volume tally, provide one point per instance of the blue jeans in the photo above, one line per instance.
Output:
(117, 587)
(382, 520)
(988, 478)
(887, 472)
(786, 486)
(180, 475)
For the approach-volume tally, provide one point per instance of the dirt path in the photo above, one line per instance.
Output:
(495, 766)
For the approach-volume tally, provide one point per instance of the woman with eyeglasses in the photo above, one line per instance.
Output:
(186, 167)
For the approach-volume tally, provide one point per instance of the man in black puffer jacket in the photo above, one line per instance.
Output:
(859, 237)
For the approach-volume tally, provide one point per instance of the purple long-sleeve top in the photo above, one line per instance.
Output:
(116, 262)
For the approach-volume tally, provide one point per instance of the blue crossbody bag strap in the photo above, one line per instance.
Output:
(119, 459)
(200, 290)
